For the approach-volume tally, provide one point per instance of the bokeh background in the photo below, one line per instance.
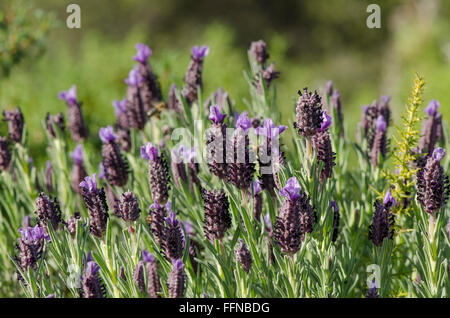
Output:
(310, 42)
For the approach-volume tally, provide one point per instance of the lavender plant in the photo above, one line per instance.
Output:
(196, 199)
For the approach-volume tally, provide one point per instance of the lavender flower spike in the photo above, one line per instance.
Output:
(92, 285)
(127, 207)
(15, 124)
(158, 173)
(143, 53)
(243, 256)
(176, 279)
(107, 134)
(95, 201)
(75, 120)
(154, 285)
(215, 115)
(199, 53)
(173, 238)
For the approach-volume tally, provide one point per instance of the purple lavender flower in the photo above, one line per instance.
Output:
(178, 166)
(270, 130)
(215, 114)
(92, 285)
(217, 215)
(309, 115)
(134, 78)
(120, 107)
(78, 172)
(243, 256)
(48, 211)
(201, 52)
(389, 200)
(158, 173)
(243, 122)
(95, 201)
(432, 108)
(76, 125)
(336, 218)
(127, 207)
(157, 215)
(77, 154)
(326, 122)
(115, 166)
(72, 223)
(193, 77)
(379, 142)
(432, 130)
(433, 186)
(372, 293)
(259, 51)
(5, 154)
(176, 279)
(143, 53)
(154, 285)
(138, 276)
(382, 226)
(53, 121)
(107, 134)
(292, 189)
(30, 245)
(216, 143)
(173, 238)
(15, 124)
(335, 104)
(136, 112)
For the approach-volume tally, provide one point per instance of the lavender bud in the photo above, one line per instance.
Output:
(216, 143)
(95, 201)
(178, 166)
(267, 75)
(138, 276)
(372, 293)
(193, 77)
(217, 216)
(116, 168)
(157, 215)
(296, 218)
(240, 158)
(128, 207)
(53, 121)
(92, 285)
(382, 226)
(76, 125)
(176, 279)
(158, 173)
(48, 211)
(173, 238)
(308, 113)
(433, 186)
(244, 257)
(5, 154)
(257, 200)
(72, 223)
(135, 106)
(15, 124)
(30, 246)
(322, 144)
(431, 128)
(384, 109)
(154, 285)
(379, 142)
(259, 51)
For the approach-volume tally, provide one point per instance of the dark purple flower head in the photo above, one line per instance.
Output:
(389, 199)
(69, 96)
(147, 257)
(143, 53)
(33, 234)
(243, 256)
(432, 108)
(149, 152)
(198, 53)
(243, 122)
(215, 115)
(381, 124)
(77, 154)
(90, 183)
(134, 78)
(326, 121)
(292, 189)
(120, 106)
(269, 129)
(438, 154)
(256, 187)
(107, 134)
(92, 268)
(334, 206)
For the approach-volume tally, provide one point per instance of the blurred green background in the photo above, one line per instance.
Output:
(310, 42)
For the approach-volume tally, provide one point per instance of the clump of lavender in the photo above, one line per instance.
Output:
(53, 121)
(75, 120)
(240, 159)
(127, 207)
(15, 124)
(433, 187)
(432, 130)
(296, 218)
(379, 143)
(270, 156)
(158, 173)
(92, 284)
(5, 154)
(149, 87)
(135, 107)
(382, 226)
(48, 211)
(322, 144)
(216, 143)
(122, 126)
(154, 285)
(336, 218)
(78, 172)
(257, 199)
(217, 215)
(49, 176)
(176, 279)
(173, 238)
(30, 245)
(308, 113)
(115, 166)
(157, 215)
(138, 276)
(243, 256)
(95, 201)
(193, 77)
